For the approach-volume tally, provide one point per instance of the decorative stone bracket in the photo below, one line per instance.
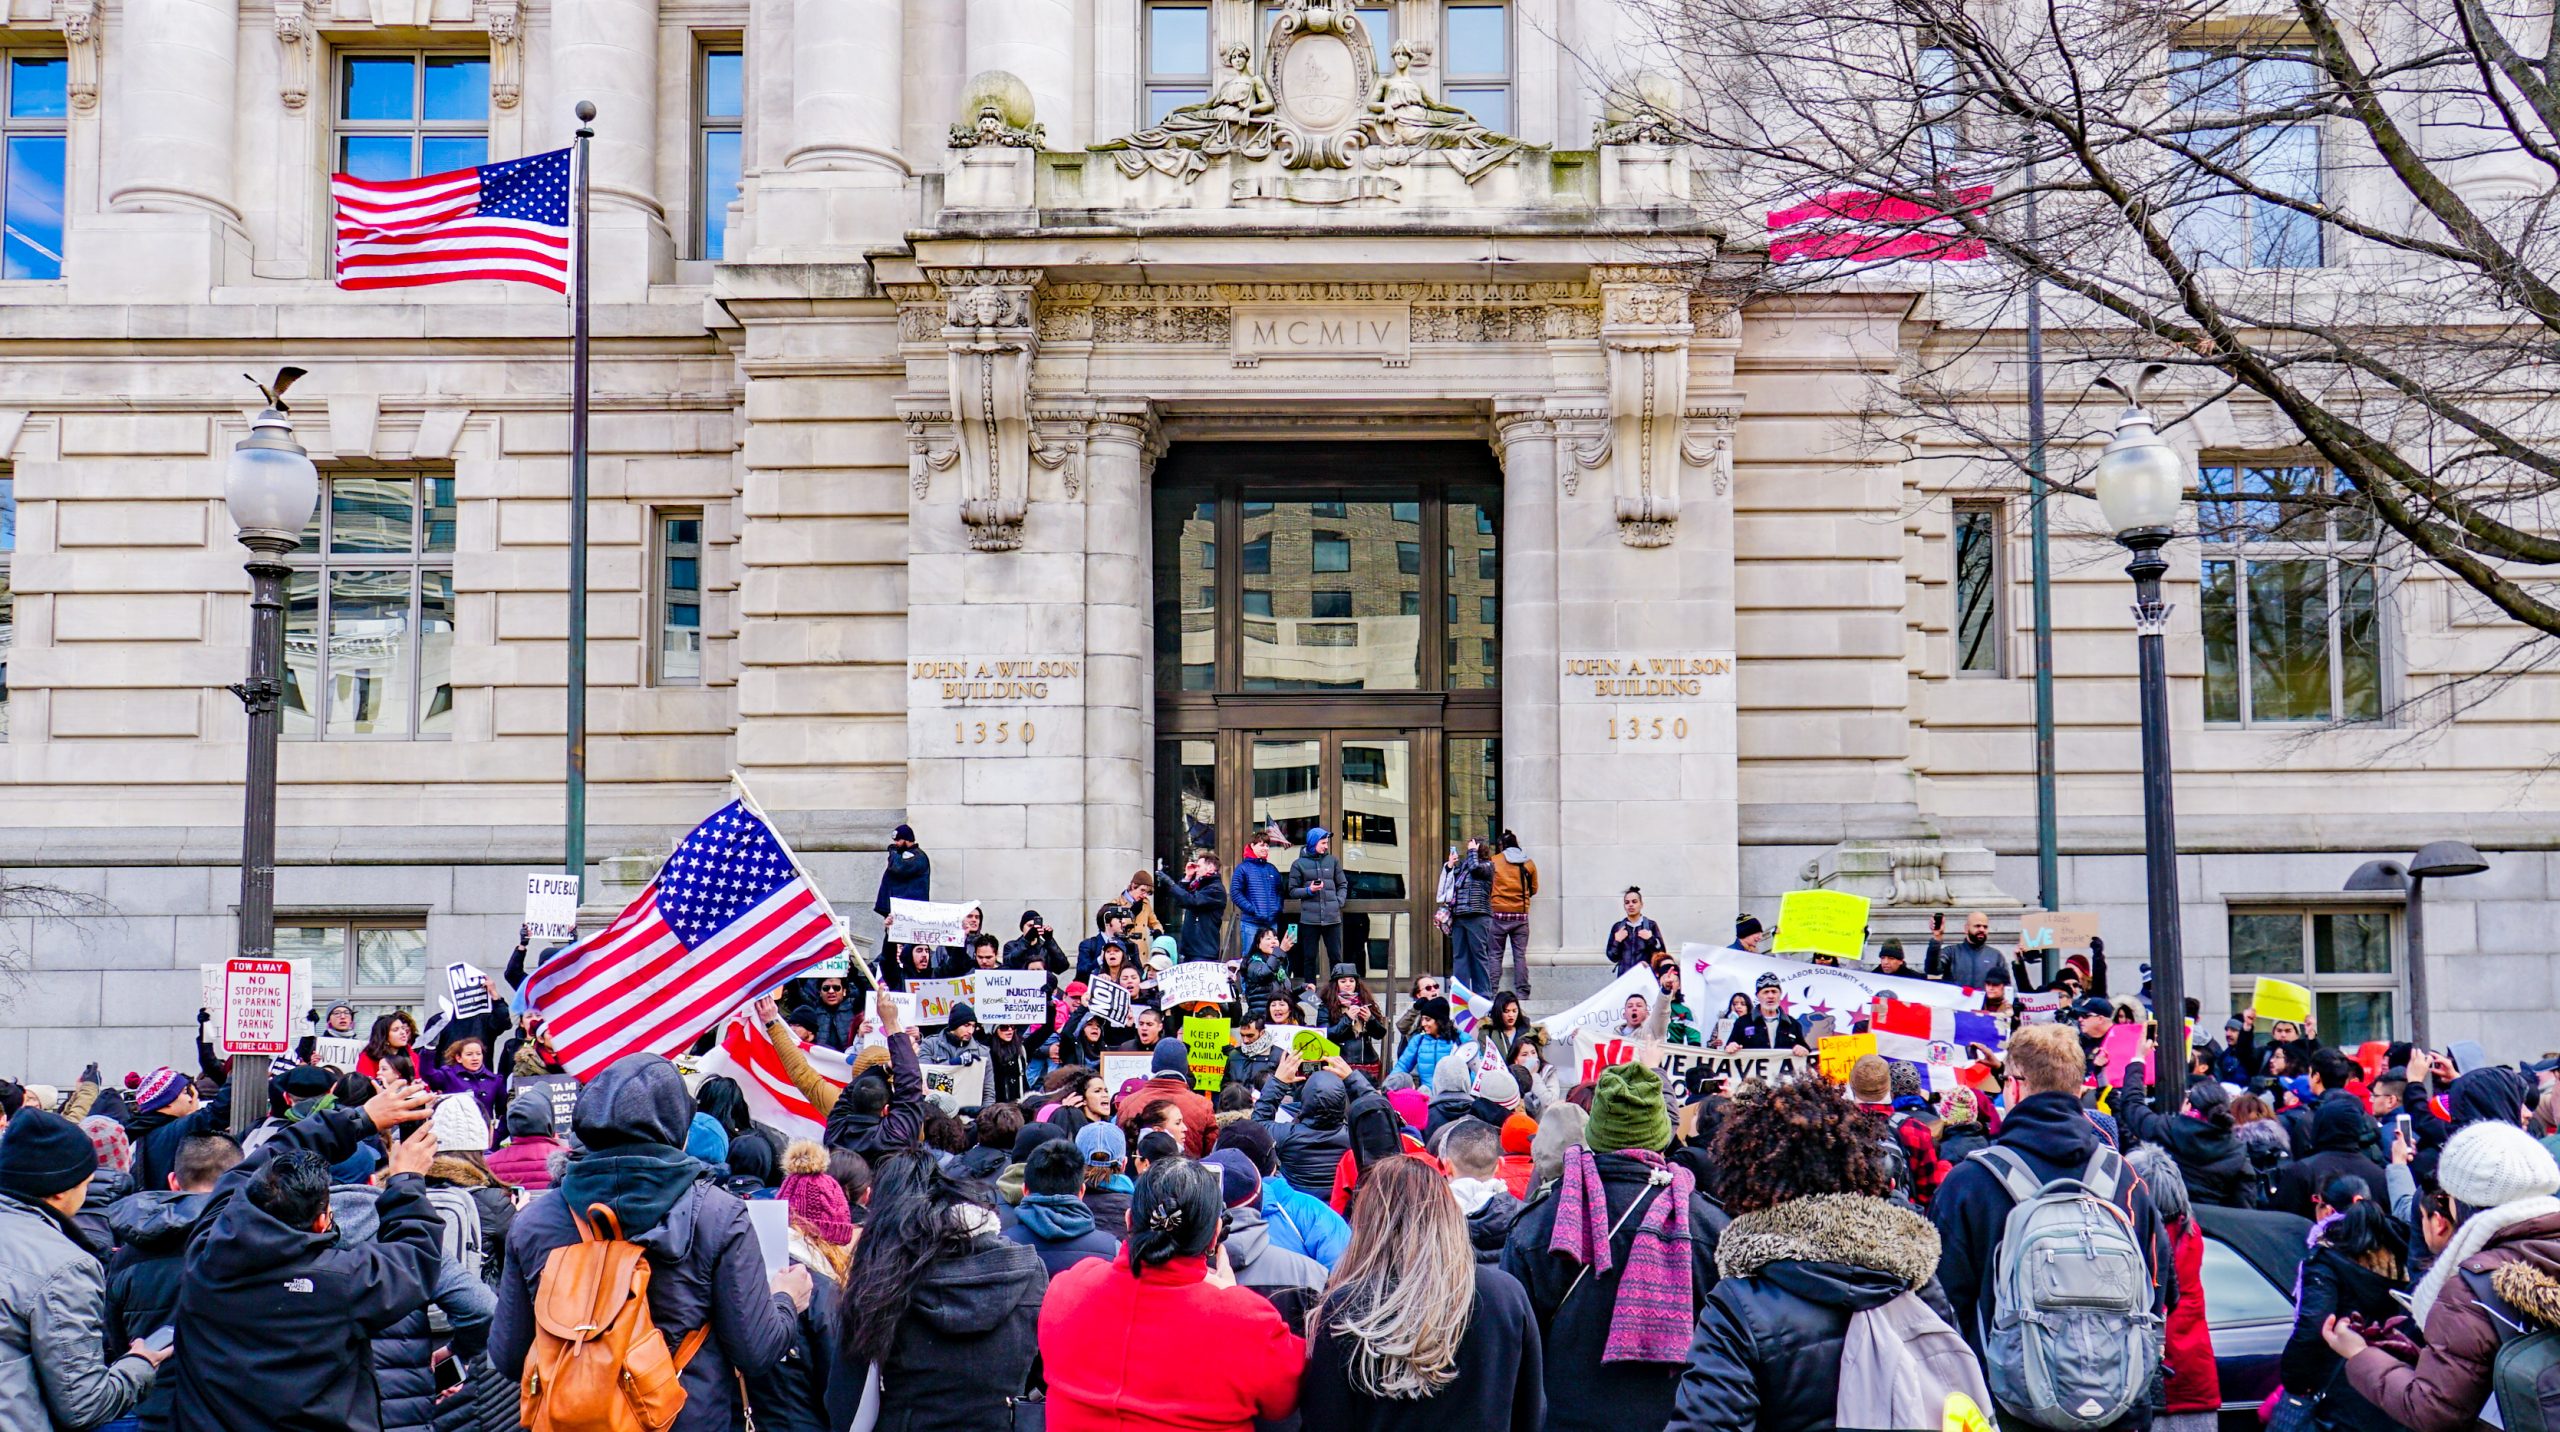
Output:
(990, 330)
(80, 46)
(1644, 334)
(298, 43)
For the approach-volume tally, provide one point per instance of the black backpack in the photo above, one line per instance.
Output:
(1897, 1162)
(2524, 1379)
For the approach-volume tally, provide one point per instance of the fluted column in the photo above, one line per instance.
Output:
(1119, 648)
(1525, 439)
(1036, 41)
(848, 66)
(172, 104)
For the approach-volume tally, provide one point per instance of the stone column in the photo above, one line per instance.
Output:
(1119, 647)
(1035, 40)
(607, 51)
(173, 229)
(1525, 439)
(848, 61)
(938, 68)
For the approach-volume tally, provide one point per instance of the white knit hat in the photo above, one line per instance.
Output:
(2489, 1165)
(459, 1126)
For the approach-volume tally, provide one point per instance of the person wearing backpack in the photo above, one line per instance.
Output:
(2495, 1227)
(2052, 1168)
(1816, 1252)
(708, 1296)
(1908, 1153)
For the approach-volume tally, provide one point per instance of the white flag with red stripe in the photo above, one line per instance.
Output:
(746, 1055)
(1862, 226)
(729, 917)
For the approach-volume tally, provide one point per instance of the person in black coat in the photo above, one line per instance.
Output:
(1053, 1220)
(1767, 1026)
(832, 1015)
(2337, 1129)
(1813, 1242)
(1311, 1144)
(1202, 899)
(2210, 1157)
(150, 1231)
(2358, 1262)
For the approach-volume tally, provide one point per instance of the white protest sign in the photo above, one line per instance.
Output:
(209, 978)
(257, 1006)
(1107, 999)
(964, 1082)
(1710, 976)
(1199, 982)
(468, 989)
(927, 922)
(1595, 1051)
(1012, 996)
(1608, 1006)
(904, 1003)
(1286, 1035)
(551, 907)
(337, 1053)
(934, 999)
(771, 1218)
(2042, 1006)
(1119, 1070)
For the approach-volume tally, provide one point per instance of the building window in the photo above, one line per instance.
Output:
(1331, 552)
(1330, 604)
(1940, 82)
(376, 965)
(719, 120)
(2346, 957)
(403, 116)
(1981, 624)
(369, 611)
(8, 601)
(1177, 58)
(36, 117)
(2292, 618)
(2249, 112)
(677, 606)
(1476, 62)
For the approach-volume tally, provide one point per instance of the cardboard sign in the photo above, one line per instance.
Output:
(1822, 922)
(467, 989)
(2069, 931)
(1313, 1047)
(1595, 1051)
(1199, 982)
(209, 997)
(2280, 999)
(1119, 1071)
(339, 1054)
(257, 1006)
(1011, 996)
(560, 1089)
(964, 1082)
(551, 907)
(1106, 998)
(1841, 1051)
(1207, 1038)
(934, 999)
(927, 922)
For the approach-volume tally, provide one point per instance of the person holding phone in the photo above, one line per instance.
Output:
(1315, 882)
(54, 1368)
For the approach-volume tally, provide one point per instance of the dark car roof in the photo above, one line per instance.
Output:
(2271, 1242)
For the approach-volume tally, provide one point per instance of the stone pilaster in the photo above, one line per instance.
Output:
(607, 51)
(1119, 645)
(1525, 439)
(173, 229)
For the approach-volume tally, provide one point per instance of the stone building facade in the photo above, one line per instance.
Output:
(1344, 441)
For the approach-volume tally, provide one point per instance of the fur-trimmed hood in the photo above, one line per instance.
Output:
(2530, 1291)
(1845, 1228)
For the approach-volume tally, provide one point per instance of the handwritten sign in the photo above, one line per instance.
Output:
(1595, 1051)
(467, 990)
(1207, 1039)
(339, 1054)
(2281, 999)
(2040, 1006)
(257, 1006)
(1119, 1071)
(560, 1089)
(965, 1083)
(551, 907)
(934, 998)
(1312, 1047)
(2066, 930)
(1199, 982)
(1107, 999)
(1841, 1051)
(1822, 922)
(910, 1012)
(1012, 996)
(927, 922)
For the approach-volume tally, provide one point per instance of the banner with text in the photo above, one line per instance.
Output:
(1594, 1050)
(1199, 982)
(927, 922)
(1011, 996)
(1711, 975)
(551, 907)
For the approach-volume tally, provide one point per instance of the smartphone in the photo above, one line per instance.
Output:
(2400, 1128)
(1293, 939)
(162, 1338)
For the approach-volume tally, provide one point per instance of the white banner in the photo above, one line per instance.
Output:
(1594, 1051)
(1710, 976)
(1199, 982)
(927, 922)
(1607, 1007)
(964, 1082)
(1011, 996)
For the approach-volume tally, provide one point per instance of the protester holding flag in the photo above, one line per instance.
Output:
(880, 1113)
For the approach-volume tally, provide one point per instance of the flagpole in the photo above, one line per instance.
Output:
(574, 838)
(2039, 493)
(853, 952)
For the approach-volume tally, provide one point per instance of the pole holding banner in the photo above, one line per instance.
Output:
(574, 841)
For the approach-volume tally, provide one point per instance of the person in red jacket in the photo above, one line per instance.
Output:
(2192, 1392)
(1161, 1337)
(1169, 1077)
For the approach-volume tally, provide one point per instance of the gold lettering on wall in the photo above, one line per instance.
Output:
(970, 681)
(1618, 677)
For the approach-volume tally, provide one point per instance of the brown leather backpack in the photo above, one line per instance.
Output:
(598, 1362)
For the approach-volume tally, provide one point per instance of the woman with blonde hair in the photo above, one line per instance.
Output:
(1412, 1331)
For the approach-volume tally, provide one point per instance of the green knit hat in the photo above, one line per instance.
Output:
(1627, 1112)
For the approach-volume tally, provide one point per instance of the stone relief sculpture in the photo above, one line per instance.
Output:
(1234, 119)
(1409, 121)
(991, 333)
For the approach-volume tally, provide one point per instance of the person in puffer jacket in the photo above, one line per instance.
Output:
(2211, 1158)
(1254, 889)
(1814, 1240)
(525, 1161)
(1315, 882)
(455, 1322)
(1310, 1146)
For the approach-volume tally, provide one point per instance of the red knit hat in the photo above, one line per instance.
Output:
(815, 1199)
(1517, 1131)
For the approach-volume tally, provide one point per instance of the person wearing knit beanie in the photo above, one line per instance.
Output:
(2498, 1177)
(1960, 1106)
(460, 1127)
(819, 1211)
(1906, 1079)
(161, 1088)
(44, 1157)
(1517, 1133)
(1496, 1086)
(1871, 1080)
(1627, 1111)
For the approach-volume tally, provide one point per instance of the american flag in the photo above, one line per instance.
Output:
(1862, 226)
(728, 918)
(507, 221)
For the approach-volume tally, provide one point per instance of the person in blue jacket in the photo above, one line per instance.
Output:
(1255, 889)
(1299, 1221)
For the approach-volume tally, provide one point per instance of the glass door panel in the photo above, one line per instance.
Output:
(1332, 593)
(1377, 801)
(1186, 798)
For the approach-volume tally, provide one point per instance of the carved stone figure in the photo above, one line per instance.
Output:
(1409, 121)
(1234, 119)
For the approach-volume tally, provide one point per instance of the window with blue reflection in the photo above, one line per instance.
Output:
(719, 120)
(32, 167)
(404, 116)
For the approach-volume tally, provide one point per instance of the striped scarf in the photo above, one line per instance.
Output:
(1651, 1319)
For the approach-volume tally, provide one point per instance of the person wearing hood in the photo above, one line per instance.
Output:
(1298, 1221)
(1315, 882)
(1053, 1220)
(452, 1323)
(908, 875)
(2211, 1158)
(2337, 1151)
(1377, 1132)
(833, 1015)
(2359, 1267)
(1313, 1142)
(940, 1303)
(704, 1263)
(1289, 1280)
(275, 1312)
(57, 1369)
(881, 1109)
(151, 1230)
(2054, 1137)
(1515, 884)
(2328, 1073)
(525, 1161)
(1169, 1077)
(167, 1113)
(1630, 1224)
(1255, 890)
(958, 1043)
(2495, 1228)
(1815, 1240)
(1473, 1153)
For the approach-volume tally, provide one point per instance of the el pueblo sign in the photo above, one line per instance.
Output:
(551, 906)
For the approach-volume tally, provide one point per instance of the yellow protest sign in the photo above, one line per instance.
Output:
(1207, 1039)
(1822, 922)
(1313, 1047)
(1837, 1052)
(1963, 1414)
(2280, 999)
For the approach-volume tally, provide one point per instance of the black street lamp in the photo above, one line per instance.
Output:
(2435, 860)
(2141, 481)
(271, 489)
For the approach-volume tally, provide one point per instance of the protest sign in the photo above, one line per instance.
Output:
(1311, 1046)
(2279, 999)
(209, 981)
(1841, 1051)
(1822, 922)
(1207, 1038)
(560, 1089)
(1011, 996)
(551, 907)
(966, 1083)
(2116, 1051)
(1710, 976)
(910, 1013)
(1285, 1036)
(2038, 1007)
(340, 1054)
(927, 922)
(466, 990)
(257, 1006)
(2066, 930)
(1199, 982)
(934, 999)
(1119, 1071)
(1106, 998)
(1595, 1050)
(1606, 1008)
(771, 1218)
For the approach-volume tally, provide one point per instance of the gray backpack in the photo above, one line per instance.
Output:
(2073, 1344)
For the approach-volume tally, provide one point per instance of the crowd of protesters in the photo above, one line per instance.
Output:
(1437, 1220)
